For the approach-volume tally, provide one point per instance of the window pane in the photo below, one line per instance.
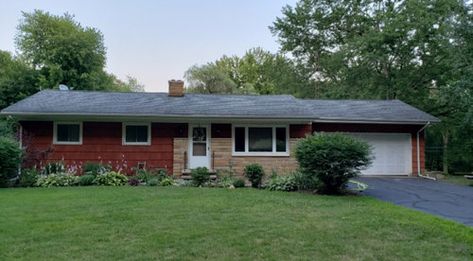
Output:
(260, 139)
(68, 132)
(240, 139)
(199, 149)
(199, 134)
(281, 139)
(136, 133)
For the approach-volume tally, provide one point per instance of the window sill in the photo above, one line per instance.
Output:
(67, 143)
(136, 144)
(260, 154)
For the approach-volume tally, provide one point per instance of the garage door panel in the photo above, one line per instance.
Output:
(392, 153)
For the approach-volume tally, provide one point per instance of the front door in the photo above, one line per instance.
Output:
(199, 146)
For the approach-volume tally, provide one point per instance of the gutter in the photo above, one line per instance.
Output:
(419, 173)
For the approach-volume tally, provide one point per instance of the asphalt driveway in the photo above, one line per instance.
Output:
(450, 201)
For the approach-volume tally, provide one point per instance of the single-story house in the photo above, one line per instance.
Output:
(180, 131)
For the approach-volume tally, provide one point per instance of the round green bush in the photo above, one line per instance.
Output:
(10, 158)
(239, 183)
(57, 180)
(200, 176)
(153, 182)
(254, 172)
(332, 159)
(167, 181)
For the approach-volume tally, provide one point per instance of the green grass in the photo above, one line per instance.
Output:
(143, 223)
(458, 179)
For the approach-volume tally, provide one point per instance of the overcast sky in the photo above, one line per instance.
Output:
(159, 40)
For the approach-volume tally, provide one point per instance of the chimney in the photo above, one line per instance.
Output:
(176, 88)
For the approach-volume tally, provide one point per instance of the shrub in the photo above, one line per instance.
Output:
(200, 176)
(254, 172)
(225, 181)
(282, 183)
(28, 177)
(86, 180)
(10, 158)
(133, 182)
(167, 181)
(53, 167)
(144, 175)
(305, 181)
(111, 178)
(332, 158)
(96, 168)
(239, 183)
(57, 180)
(153, 182)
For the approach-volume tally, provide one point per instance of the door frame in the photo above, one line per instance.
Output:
(208, 142)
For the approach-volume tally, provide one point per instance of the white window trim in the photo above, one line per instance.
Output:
(273, 153)
(55, 141)
(124, 124)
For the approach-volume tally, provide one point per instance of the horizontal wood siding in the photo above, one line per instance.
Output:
(102, 141)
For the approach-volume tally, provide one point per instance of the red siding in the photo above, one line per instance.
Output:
(102, 141)
(221, 130)
(299, 130)
(412, 129)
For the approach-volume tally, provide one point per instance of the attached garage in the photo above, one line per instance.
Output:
(392, 153)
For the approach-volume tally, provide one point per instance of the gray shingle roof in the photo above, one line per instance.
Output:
(160, 104)
(54, 102)
(367, 110)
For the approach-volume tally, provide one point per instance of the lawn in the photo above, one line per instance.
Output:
(458, 179)
(172, 223)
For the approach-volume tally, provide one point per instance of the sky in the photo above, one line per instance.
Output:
(156, 41)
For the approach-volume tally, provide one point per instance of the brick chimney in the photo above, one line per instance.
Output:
(176, 88)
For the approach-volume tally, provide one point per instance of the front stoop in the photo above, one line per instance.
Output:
(186, 174)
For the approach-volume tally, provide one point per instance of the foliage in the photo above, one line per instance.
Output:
(225, 181)
(10, 158)
(53, 167)
(282, 183)
(306, 181)
(86, 180)
(417, 51)
(28, 177)
(153, 182)
(95, 168)
(133, 181)
(167, 181)
(111, 178)
(239, 183)
(332, 158)
(256, 72)
(200, 176)
(57, 180)
(254, 172)
(144, 175)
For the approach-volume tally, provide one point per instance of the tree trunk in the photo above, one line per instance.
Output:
(445, 152)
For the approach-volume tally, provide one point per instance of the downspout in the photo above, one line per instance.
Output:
(419, 173)
(20, 141)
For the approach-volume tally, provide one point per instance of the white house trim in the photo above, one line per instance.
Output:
(274, 153)
(55, 141)
(147, 124)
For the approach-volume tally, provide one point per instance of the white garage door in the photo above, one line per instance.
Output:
(392, 152)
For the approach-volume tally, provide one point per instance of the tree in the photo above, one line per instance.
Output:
(258, 71)
(385, 50)
(17, 80)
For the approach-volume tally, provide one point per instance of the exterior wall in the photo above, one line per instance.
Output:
(386, 128)
(223, 159)
(179, 155)
(102, 141)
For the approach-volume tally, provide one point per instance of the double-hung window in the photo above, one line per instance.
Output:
(136, 134)
(260, 141)
(68, 133)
